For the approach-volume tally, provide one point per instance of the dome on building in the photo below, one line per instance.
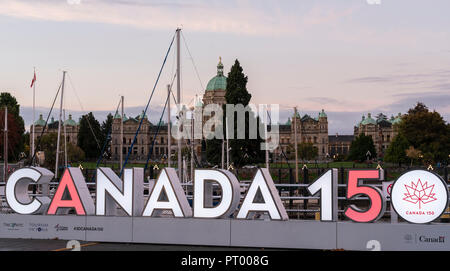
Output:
(322, 114)
(199, 103)
(142, 115)
(117, 116)
(368, 120)
(70, 121)
(397, 119)
(40, 121)
(218, 82)
(288, 121)
(362, 119)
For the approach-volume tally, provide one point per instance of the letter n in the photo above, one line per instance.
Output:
(112, 192)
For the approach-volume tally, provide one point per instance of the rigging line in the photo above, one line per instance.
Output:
(282, 151)
(159, 124)
(82, 108)
(45, 126)
(156, 134)
(107, 139)
(192, 60)
(146, 107)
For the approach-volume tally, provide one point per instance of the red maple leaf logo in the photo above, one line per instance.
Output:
(419, 193)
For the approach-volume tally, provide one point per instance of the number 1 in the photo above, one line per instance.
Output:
(327, 185)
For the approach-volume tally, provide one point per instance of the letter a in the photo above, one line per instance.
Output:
(272, 202)
(78, 196)
(176, 199)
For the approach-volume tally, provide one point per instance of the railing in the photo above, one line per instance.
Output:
(298, 203)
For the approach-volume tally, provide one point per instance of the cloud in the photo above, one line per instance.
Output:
(438, 101)
(241, 17)
(149, 15)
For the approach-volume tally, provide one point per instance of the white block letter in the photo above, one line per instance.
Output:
(112, 192)
(176, 199)
(230, 193)
(272, 202)
(17, 190)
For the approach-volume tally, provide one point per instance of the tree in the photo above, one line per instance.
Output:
(359, 147)
(89, 136)
(14, 136)
(16, 125)
(396, 152)
(106, 126)
(243, 151)
(48, 146)
(306, 151)
(413, 154)
(426, 131)
(106, 130)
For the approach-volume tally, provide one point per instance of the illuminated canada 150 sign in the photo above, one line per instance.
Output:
(418, 196)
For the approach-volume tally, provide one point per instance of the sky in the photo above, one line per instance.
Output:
(346, 57)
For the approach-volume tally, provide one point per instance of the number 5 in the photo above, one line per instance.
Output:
(377, 202)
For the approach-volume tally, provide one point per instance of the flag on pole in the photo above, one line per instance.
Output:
(34, 79)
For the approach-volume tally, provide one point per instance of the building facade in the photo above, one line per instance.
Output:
(382, 130)
(71, 130)
(309, 130)
(339, 145)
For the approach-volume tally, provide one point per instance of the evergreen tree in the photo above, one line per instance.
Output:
(106, 134)
(359, 147)
(243, 151)
(89, 143)
(426, 131)
(396, 152)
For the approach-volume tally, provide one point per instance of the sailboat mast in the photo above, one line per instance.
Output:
(169, 136)
(121, 135)
(228, 146)
(180, 171)
(65, 140)
(5, 147)
(59, 124)
(295, 142)
(34, 118)
(267, 144)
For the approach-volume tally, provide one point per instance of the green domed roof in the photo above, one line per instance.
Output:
(199, 103)
(322, 114)
(289, 121)
(368, 120)
(218, 82)
(142, 115)
(397, 120)
(70, 121)
(40, 121)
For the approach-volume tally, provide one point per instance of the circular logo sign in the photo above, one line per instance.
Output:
(419, 196)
